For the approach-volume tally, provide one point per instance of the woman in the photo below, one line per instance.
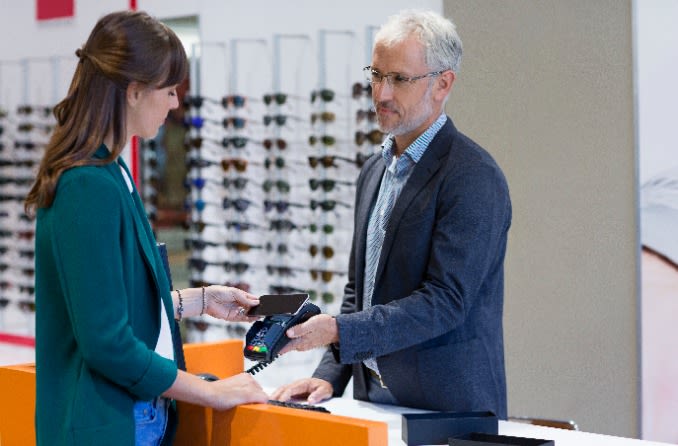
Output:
(106, 372)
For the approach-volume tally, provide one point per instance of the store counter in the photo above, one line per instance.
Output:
(350, 422)
(392, 416)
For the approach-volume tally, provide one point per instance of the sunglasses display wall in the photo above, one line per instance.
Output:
(24, 131)
(271, 181)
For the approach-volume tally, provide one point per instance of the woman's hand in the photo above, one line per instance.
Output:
(236, 390)
(229, 304)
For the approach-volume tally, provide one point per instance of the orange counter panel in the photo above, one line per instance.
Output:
(266, 425)
(17, 405)
(257, 424)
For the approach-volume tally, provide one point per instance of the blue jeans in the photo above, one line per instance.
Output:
(150, 418)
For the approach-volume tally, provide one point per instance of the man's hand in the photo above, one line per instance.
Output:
(314, 389)
(317, 331)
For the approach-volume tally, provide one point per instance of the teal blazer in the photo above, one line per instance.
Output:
(99, 281)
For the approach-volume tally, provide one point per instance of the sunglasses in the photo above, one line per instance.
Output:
(326, 184)
(277, 119)
(237, 101)
(373, 136)
(242, 246)
(281, 248)
(281, 185)
(27, 306)
(280, 206)
(200, 163)
(284, 289)
(358, 89)
(237, 183)
(281, 270)
(27, 127)
(326, 140)
(327, 160)
(278, 162)
(200, 226)
(242, 225)
(239, 204)
(279, 143)
(324, 275)
(239, 164)
(326, 296)
(29, 109)
(278, 98)
(325, 117)
(196, 244)
(201, 265)
(327, 229)
(28, 145)
(324, 94)
(327, 251)
(283, 225)
(362, 115)
(327, 205)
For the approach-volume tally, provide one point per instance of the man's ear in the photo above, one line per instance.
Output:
(444, 84)
(133, 93)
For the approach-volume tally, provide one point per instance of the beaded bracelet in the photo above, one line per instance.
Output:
(204, 302)
(180, 309)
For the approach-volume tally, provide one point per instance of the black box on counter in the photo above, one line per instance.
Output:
(438, 427)
(483, 439)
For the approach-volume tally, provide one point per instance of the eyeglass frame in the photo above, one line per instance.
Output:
(398, 78)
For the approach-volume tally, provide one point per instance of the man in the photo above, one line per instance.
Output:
(421, 319)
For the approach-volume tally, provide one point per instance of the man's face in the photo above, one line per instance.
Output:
(408, 109)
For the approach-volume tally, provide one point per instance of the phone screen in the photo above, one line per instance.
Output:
(271, 304)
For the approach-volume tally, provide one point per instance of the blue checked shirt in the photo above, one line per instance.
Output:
(398, 170)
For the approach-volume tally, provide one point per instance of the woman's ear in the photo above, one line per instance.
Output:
(134, 90)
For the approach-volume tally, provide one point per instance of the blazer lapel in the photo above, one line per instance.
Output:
(423, 172)
(369, 196)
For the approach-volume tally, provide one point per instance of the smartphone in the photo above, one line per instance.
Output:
(272, 304)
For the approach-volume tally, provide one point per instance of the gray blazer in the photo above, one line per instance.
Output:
(436, 324)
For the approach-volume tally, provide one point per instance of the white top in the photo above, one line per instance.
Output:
(164, 345)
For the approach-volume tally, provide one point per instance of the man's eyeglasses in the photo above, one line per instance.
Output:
(395, 80)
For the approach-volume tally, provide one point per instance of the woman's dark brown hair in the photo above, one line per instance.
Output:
(123, 47)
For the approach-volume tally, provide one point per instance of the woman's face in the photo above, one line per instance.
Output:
(149, 109)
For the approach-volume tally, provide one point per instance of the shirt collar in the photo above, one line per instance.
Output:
(415, 150)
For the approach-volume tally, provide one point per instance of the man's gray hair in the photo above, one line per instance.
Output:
(439, 36)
